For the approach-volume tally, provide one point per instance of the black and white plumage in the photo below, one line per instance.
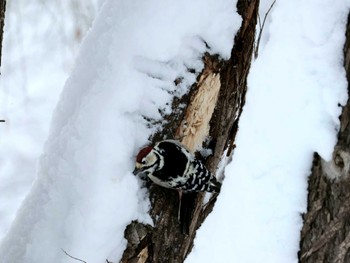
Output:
(171, 165)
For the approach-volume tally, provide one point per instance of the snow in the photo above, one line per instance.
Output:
(291, 111)
(38, 53)
(85, 193)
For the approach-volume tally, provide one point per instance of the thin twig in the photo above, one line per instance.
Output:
(65, 252)
(261, 29)
(259, 22)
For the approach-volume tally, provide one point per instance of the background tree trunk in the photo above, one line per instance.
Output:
(325, 236)
(165, 242)
(2, 23)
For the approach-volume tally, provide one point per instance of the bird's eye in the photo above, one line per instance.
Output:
(143, 162)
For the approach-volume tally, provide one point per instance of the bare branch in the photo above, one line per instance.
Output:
(256, 52)
(65, 252)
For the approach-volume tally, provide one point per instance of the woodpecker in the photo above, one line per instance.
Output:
(169, 164)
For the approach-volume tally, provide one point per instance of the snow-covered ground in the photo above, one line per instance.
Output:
(85, 194)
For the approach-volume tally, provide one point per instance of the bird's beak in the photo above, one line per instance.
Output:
(137, 169)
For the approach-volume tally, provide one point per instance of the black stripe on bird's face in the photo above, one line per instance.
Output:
(149, 163)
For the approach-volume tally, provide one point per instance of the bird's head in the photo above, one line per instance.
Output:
(146, 160)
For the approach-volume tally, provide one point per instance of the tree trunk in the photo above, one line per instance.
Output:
(325, 236)
(221, 90)
(2, 22)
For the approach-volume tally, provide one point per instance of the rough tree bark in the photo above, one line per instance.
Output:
(325, 236)
(2, 23)
(222, 84)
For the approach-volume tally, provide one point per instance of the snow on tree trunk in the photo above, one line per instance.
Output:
(325, 236)
(214, 105)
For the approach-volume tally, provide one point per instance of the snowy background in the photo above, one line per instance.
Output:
(40, 43)
(84, 193)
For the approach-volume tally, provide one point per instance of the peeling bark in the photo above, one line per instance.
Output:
(325, 236)
(227, 83)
